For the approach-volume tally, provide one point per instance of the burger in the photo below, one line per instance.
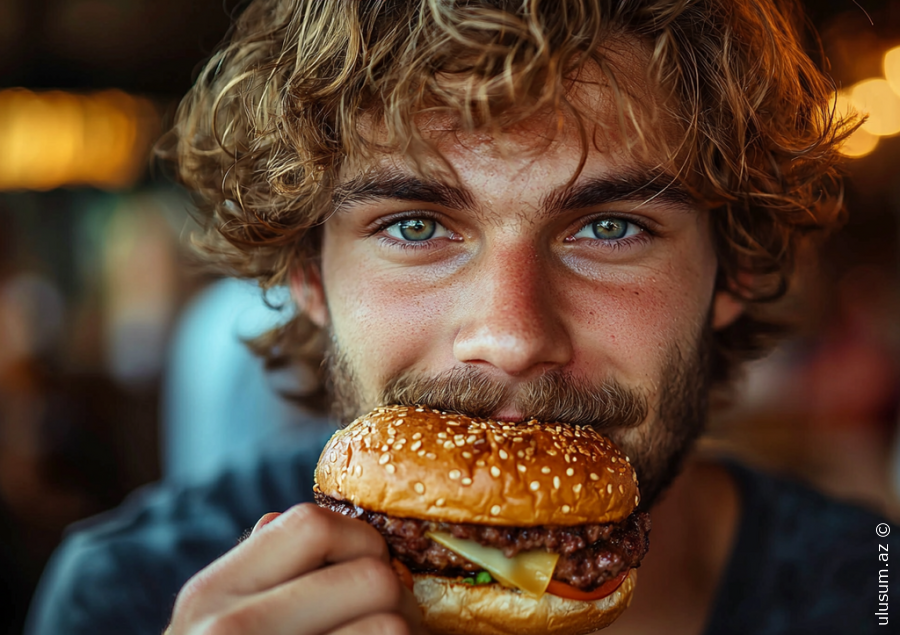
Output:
(497, 527)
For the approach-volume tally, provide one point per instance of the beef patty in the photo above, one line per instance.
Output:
(589, 554)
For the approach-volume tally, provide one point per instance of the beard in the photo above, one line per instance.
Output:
(655, 445)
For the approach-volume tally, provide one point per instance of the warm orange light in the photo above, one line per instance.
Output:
(892, 68)
(54, 139)
(874, 97)
(860, 143)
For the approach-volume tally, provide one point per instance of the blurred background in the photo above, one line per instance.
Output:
(110, 341)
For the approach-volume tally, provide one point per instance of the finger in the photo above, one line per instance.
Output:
(298, 541)
(379, 624)
(326, 599)
(412, 612)
(265, 520)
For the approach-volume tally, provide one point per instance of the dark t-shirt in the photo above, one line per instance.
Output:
(802, 563)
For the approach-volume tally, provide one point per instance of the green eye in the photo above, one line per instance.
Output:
(417, 228)
(609, 228)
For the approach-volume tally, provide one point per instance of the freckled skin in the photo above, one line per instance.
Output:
(511, 291)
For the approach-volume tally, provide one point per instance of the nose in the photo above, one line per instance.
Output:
(512, 321)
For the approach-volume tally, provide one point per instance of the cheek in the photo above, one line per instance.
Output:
(381, 315)
(633, 326)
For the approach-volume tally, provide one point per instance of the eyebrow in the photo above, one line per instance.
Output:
(391, 184)
(638, 186)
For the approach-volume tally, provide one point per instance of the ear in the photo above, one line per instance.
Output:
(726, 309)
(309, 294)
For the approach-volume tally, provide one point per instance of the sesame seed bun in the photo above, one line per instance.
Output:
(451, 608)
(414, 462)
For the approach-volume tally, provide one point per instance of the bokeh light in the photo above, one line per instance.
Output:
(875, 98)
(55, 139)
(861, 142)
(892, 68)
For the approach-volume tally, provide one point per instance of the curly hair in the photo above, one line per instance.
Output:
(275, 113)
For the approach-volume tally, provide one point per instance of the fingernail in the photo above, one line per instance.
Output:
(265, 520)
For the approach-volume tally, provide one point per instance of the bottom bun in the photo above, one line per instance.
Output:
(454, 608)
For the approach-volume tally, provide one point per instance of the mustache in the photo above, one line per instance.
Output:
(555, 396)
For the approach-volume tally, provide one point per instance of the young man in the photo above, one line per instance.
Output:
(566, 210)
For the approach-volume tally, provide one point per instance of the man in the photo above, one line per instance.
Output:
(567, 210)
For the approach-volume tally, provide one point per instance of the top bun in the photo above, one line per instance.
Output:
(415, 462)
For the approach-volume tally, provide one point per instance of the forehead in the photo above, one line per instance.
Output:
(609, 118)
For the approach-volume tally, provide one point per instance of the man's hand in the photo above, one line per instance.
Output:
(309, 570)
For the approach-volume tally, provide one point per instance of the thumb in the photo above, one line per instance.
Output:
(265, 520)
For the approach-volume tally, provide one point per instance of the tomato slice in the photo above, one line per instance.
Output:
(564, 590)
(403, 573)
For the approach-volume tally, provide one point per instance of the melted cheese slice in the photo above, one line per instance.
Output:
(530, 571)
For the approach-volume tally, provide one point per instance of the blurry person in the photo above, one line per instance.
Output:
(221, 406)
(506, 209)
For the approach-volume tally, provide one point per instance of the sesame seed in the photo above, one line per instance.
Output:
(454, 474)
(534, 486)
(520, 467)
(636, 499)
(390, 468)
(520, 454)
(613, 459)
(480, 462)
(384, 459)
(431, 456)
(398, 422)
(627, 459)
(441, 435)
(357, 470)
(576, 488)
(421, 452)
(384, 448)
(517, 439)
(610, 470)
(621, 490)
(459, 442)
(570, 472)
(566, 509)
(419, 487)
(495, 471)
(471, 439)
(439, 502)
(397, 446)
(467, 455)
(420, 410)
(503, 455)
(466, 481)
(417, 436)
(555, 482)
(495, 510)
(415, 446)
(448, 445)
(545, 470)
(609, 489)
